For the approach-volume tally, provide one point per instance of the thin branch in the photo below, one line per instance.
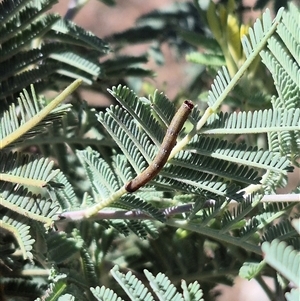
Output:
(275, 198)
(79, 215)
(121, 214)
(27, 126)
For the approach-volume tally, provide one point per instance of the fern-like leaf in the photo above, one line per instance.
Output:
(259, 221)
(18, 82)
(101, 177)
(222, 168)
(140, 111)
(192, 292)
(24, 59)
(12, 46)
(18, 227)
(66, 196)
(163, 287)
(259, 35)
(283, 258)
(102, 294)
(88, 266)
(29, 107)
(281, 59)
(194, 181)
(61, 247)
(121, 126)
(29, 205)
(282, 231)
(80, 36)
(236, 218)
(136, 290)
(293, 295)
(133, 287)
(254, 122)
(162, 107)
(249, 270)
(56, 288)
(131, 202)
(288, 30)
(238, 153)
(9, 8)
(78, 62)
(25, 288)
(27, 169)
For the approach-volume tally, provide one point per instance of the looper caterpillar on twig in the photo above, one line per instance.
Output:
(167, 145)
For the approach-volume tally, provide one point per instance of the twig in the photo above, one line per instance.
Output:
(168, 212)
(121, 214)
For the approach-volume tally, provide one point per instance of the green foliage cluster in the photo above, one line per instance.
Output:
(212, 212)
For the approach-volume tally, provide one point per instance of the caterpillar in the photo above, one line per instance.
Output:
(167, 145)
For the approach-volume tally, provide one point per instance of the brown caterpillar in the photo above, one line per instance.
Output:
(167, 145)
